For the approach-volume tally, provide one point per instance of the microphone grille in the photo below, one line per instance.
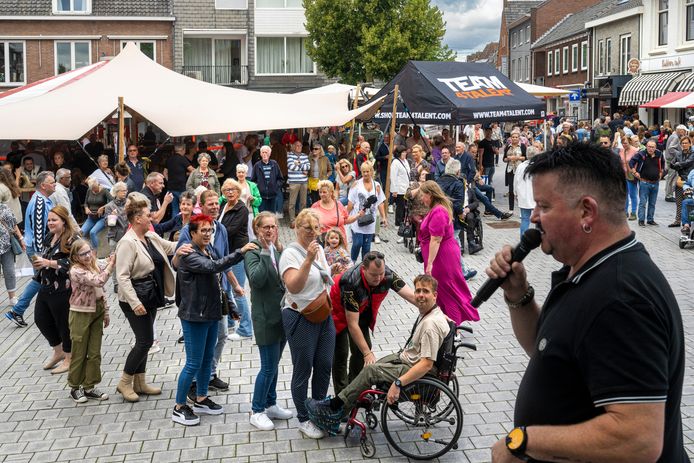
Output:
(532, 238)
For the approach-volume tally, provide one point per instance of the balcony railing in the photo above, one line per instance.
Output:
(222, 75)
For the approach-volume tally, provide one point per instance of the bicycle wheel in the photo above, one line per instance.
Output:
(426, 422)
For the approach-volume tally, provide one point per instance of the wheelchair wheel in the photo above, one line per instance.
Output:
(426, 422)
(443, 412)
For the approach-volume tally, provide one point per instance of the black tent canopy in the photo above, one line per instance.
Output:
(455, 93)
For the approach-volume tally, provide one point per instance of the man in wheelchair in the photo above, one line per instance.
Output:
(413, 362)
(687, 204)
(465, 204)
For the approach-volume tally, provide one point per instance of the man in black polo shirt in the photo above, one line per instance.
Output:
(604, 379)
(487, 150)
(177, 169)
(647, 167)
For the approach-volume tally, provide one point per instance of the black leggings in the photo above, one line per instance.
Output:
(143, 327)
(51, 314)
(399, 209)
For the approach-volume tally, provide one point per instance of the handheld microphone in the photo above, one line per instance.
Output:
(529, 241)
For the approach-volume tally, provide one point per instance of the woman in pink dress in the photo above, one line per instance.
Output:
(441, 254)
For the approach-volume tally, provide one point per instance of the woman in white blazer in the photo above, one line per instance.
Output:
(399, 182)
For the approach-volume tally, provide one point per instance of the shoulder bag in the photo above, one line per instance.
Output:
(14, 242)
(319, 309)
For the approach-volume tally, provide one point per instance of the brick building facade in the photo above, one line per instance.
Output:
(44, 40)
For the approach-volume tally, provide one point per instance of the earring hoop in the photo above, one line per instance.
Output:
(587, 229)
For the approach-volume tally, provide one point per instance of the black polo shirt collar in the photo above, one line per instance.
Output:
(562, 275)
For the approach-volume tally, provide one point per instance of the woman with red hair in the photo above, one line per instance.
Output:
(200, 308)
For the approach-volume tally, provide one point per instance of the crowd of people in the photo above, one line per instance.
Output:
(209, 222)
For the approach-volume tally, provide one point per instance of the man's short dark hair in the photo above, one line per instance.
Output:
(202, 145)
(427, 280)
(584, 169)
(373, 256)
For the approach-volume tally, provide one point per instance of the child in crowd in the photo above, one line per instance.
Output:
(336, 251)
(88, 318)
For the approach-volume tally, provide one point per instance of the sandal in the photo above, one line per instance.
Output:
(52, 363)
(674, 225)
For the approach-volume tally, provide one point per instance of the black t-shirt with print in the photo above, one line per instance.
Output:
(610, 334)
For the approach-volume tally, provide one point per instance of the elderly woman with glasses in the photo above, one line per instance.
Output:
(203, 175)
(103, 173)
(250, 196)
(234, 216)
(306, 316)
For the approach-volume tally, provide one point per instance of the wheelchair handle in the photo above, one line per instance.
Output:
(464, 328)
(466, 345)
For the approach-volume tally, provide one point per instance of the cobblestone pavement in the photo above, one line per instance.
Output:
(40, 423)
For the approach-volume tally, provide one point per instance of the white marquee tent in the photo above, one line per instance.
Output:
(67, 106)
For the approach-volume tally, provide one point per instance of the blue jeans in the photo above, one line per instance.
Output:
(344, 201)
(30, 290)
(488, 206)
(489, 171)
(633, 196)
(93, 227)
(648, 192)
(175, 204)
(265, 391)
(525, 219)
(268, 205)
(488, 190)
(222, 332)
(245, 324)
(200, 339)
(361, 242)
(687, 204)
(279, 202)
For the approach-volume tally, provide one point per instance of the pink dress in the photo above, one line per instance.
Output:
(453, 293)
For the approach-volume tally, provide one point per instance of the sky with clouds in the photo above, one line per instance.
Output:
(470, 24)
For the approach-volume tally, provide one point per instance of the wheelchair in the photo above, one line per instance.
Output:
(477, 231)
(687, 236)
(411, 225)
(427, 419)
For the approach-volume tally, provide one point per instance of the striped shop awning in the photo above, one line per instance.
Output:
(647, 87)
(687, 84)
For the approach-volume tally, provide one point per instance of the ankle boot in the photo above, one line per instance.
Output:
(141, 386)
(125, 387)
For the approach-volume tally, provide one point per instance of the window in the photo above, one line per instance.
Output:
(584, 56)
(556, 62)
(72, 6)
(663, 21)
(149, 47)
(574, 57)
(513, 40)
(550, 66)
(522, 36)
(72, 55)
(624, 53)
(565, 60)
(230, 4)
(608, 56)
(527, 33)
(601, 57)
(12, 63)
(689, 25)
(527, 68)
(283, 55)
(213, 60)
(278, 4)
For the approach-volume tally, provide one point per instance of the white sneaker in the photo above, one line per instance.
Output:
(237, 337)
(390, 209)
(377, 240)
(13, 301)
(262, 422)
(400, 240)
(310, 430)
(155, 347)
(280, 215)
(278, 413)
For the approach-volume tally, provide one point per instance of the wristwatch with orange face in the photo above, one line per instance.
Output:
(517, 442)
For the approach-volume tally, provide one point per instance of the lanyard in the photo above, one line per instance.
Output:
(416, 324)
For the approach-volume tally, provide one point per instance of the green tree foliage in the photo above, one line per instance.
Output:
(362, 40)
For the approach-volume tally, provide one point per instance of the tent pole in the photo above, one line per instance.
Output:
(121, 130)
(544, 131)
(355, 105)
(391, 144)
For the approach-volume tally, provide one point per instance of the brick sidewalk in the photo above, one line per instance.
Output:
(41, 423)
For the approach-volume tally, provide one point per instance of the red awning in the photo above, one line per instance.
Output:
(665, 99)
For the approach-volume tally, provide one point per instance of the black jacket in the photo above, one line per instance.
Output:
(236, 223)
(454, 189)
(268, 188)
(199, 275)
